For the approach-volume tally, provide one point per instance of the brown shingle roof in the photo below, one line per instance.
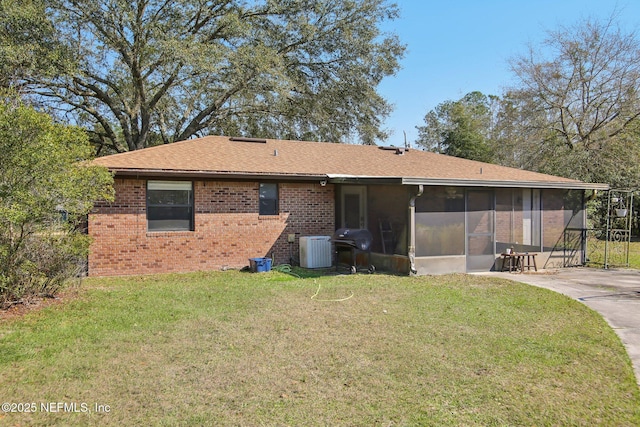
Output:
(222, 156)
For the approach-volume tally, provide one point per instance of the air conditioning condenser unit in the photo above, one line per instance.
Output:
(315, 251)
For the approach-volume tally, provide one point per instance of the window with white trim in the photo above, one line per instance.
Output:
(169, 205)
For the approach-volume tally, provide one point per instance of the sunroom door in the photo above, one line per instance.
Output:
(354, 208)
(480, 230)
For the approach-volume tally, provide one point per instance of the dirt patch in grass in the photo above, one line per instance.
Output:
(35, 304)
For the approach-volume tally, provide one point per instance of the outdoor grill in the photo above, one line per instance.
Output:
(355, 241)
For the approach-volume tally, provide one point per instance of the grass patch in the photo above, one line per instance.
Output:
(617, 253)
(634, 254)
(271, 349)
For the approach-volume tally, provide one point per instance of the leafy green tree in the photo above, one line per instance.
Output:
(438, 122)
(152, 71)
(460, 128)
(520, 139)
(28, 46)
(46, 189)
(464, 139)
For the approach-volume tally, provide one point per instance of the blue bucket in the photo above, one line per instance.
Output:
(260, 265)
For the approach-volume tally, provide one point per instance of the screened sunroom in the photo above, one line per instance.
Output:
(438, 229)
(466, 229)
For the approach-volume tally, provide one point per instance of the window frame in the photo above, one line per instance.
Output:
(276, 208)
(190, 206)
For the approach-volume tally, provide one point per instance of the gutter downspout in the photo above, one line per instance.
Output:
(412, 230)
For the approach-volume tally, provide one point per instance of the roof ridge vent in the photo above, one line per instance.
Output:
(247, 139)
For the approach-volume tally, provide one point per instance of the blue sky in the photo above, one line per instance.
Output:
(459, 46)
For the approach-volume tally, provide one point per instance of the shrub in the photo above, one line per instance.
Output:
(43, 175)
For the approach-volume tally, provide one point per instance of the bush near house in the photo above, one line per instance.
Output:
(45, 192)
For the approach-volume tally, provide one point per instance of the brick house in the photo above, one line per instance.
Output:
(215, 202)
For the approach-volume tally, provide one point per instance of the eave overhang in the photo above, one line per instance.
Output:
(568, 185)
(353, 179)
(191, 174)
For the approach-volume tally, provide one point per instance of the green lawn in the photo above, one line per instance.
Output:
(269, 349)
(634, 255)
(617, 253)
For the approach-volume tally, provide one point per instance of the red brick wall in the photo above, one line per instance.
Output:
(553, 217)
(228, 229)
(504, 215)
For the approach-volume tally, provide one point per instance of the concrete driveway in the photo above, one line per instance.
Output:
(614, 293)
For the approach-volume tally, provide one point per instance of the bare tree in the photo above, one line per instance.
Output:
(583, 82)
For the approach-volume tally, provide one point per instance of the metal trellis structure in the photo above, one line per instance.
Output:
(609, 233)
(620, 213)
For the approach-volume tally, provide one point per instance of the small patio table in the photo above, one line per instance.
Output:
(518, 261)
(509, 260)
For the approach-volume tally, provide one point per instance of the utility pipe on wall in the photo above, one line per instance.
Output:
(412, 229)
